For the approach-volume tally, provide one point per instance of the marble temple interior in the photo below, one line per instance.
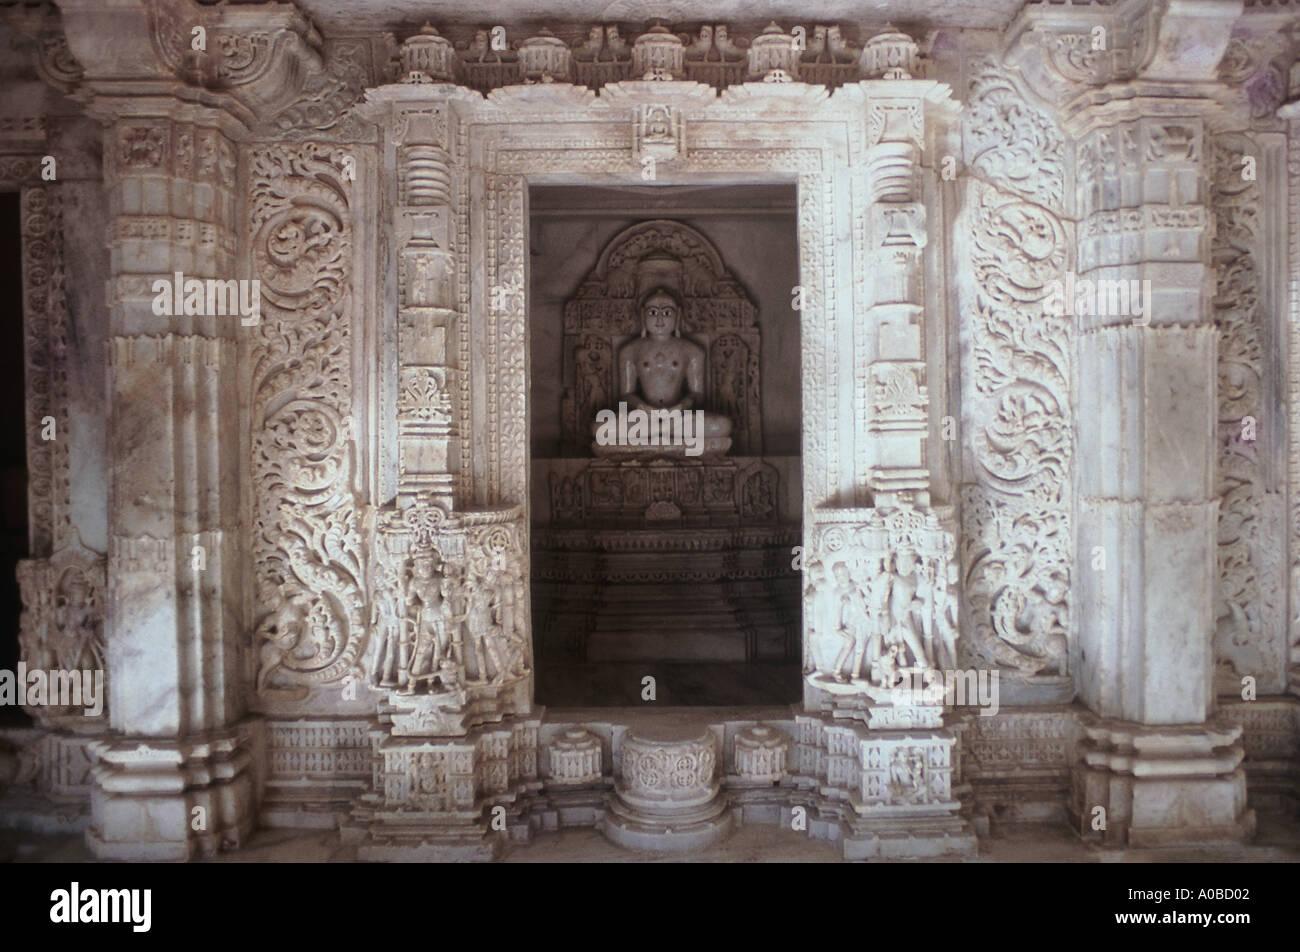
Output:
(446, 426)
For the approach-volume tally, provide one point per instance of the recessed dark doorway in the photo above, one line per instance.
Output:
(13, 441)
(665, 555)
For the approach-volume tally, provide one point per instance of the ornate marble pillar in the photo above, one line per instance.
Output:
(173, 779)
(177, 773)
(1158, 765)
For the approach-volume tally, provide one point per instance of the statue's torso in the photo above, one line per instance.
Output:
(657, 370)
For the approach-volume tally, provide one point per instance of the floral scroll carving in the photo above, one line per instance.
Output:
(46, 332)
(308, 560)
(1016, 543)
(1250, 623)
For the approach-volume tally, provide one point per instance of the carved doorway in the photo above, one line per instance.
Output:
(663, 564)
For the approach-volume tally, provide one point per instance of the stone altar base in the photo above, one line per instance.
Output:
(895, 839)
(424, 841)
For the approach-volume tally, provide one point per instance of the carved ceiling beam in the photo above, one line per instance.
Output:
(251, 62)
(1086, 53)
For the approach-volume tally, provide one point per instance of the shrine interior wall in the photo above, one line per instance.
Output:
(995, 358)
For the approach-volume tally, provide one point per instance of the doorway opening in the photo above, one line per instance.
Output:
(13, 442)
(662, 545)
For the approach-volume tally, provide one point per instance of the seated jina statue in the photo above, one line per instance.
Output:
(661, 389)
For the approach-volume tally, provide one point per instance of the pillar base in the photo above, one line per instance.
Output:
(883, 794)
(160, 800)
(1161, 786)
(667, 835)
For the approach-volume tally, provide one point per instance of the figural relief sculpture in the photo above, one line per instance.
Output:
(883, 596)
(450, 608)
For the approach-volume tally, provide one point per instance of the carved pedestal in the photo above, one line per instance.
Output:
(881, 609)
(455, 747)
(882, 794)
(760, 755)
(440, 799)
(667, 795)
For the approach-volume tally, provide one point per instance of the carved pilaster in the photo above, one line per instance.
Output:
(1292, 115)
(175, 565)
(1142, 194)
(309, 564)
(428, 320)
(45, 324)
(891, 395)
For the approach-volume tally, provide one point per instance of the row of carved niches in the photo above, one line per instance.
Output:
(717, 54)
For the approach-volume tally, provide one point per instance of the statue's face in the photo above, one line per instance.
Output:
(659, 315)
